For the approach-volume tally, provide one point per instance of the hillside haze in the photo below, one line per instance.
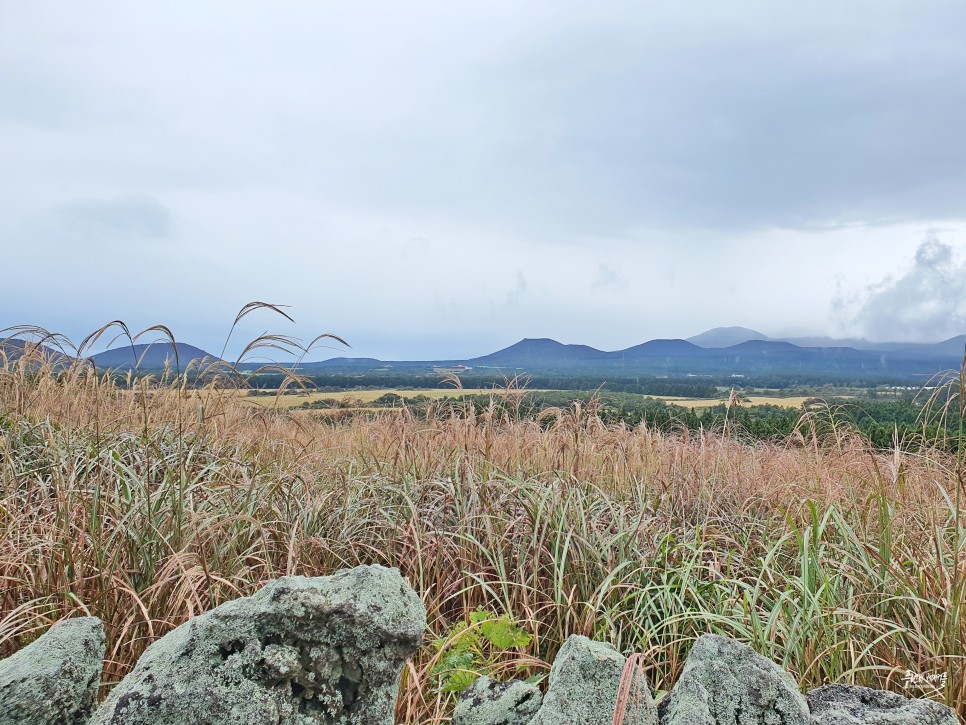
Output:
(154, 356)
(753, 355)
(726, 336)
(736, 352)
(540, 352)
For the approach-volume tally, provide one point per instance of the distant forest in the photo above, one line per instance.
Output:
(699, 387)
(883, 422)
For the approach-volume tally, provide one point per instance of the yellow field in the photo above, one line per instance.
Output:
(362, 397)
(790, 402)
(291, 400)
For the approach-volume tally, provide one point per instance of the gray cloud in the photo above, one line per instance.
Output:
(519, 292)
(926, 302)
(606, 277)
(540, 117)
(298, 152)
(129, 218)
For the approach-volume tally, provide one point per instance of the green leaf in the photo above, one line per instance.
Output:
(458, 639)
(454, 660)
(459, 681)
(503, 634)
(480, 615)
(457, 670)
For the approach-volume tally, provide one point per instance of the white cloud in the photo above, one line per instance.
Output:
(131, 217)
(606, 278)
(926, 302)
(401, 172)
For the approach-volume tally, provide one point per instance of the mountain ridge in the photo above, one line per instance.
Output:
(678, 357)
(151, 356)
(665, 356)
(726, 337)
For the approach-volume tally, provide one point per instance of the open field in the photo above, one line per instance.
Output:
(794, 401)
(843, 563)
(294, 399)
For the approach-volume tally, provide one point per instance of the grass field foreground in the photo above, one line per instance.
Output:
(842, 563)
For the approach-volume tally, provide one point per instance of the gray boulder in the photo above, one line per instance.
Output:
(322, 651)
(487, 702)
(54, 680)
(728, 683)
(854, 705)
(583, 685)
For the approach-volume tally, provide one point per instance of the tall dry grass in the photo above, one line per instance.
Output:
(147, 506)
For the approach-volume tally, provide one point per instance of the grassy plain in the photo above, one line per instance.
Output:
(293, 399)
(841, 562)
(792, 401)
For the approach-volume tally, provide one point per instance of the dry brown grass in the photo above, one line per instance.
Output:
(145, 509)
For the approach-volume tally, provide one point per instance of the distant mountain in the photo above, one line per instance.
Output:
(659, 348)
(779, 352)
(539, 353)
(13, 349)
(756, 356)
(726, 337)
(952, 348)
(150, 357)
(683, 358)
(761, 347)
(856, 343)
(345, 362)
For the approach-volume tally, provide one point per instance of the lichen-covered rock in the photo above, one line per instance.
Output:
(854, 705)
(487, 702)
(322, 651)
(54, 680)
(728, 683)
(583, 685)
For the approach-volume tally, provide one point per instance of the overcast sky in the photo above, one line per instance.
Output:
(431, 179)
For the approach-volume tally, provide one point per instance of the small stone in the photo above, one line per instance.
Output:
(487, 702)
(583, 685)
(321, 651)
(728, 683)
(855, 705)
(54, 680)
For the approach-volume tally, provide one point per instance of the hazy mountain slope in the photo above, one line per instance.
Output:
(952, 349)
(726, 336)
(654, 348)
(150, 357)
(856, 343)
(13, 348)
(540, 352)
(672, 357)
(344, 362)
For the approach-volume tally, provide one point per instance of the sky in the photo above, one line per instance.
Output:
(439, 180)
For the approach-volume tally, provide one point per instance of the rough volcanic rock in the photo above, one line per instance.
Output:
(487, 702)
(54, 680)
(322, 651)
(854, 705)
(728, 683)
(583, 685)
